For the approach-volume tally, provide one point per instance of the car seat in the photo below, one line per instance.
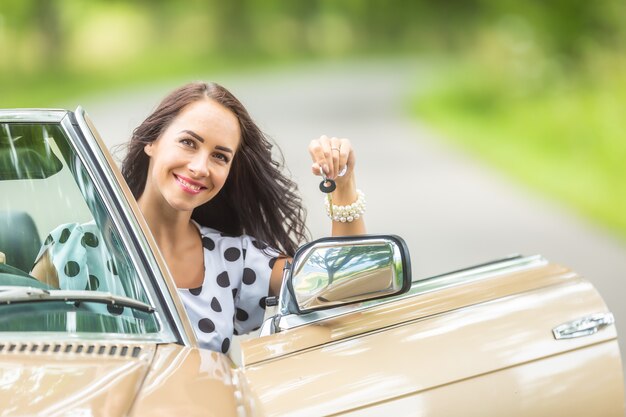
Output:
(19, 239)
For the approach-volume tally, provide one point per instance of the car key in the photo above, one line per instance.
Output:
(328, 186)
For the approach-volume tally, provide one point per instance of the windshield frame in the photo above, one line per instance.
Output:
(92, 153)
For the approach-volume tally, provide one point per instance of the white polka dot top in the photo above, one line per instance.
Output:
(231, 299)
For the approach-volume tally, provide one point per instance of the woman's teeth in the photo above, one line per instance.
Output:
(190, 186)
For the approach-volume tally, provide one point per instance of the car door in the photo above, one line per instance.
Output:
(473, 343)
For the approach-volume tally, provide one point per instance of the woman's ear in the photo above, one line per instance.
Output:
(148, 149)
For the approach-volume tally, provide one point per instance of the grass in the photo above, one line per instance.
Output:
(565, 139)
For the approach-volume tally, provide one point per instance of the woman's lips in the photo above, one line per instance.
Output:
(189, 185)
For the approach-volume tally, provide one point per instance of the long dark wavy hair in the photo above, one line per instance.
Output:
(257, 199)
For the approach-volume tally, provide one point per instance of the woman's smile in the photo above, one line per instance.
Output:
(190, 161)
(189, 185)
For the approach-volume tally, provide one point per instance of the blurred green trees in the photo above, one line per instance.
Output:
(536, 87)
(74, 36)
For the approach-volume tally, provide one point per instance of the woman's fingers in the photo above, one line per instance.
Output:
(320, 163)
(331, 155)
(335, 151)
(346, 156)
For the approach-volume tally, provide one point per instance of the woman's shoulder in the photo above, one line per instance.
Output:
(65, 230)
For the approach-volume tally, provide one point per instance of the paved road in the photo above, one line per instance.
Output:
(452, 210)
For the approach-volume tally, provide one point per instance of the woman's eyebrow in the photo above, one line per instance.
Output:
(195, 135)
(223, 148)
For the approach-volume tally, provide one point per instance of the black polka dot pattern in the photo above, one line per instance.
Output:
(223, 280)
(258, 244)
(215, 305)
(71, 269)
(249, 276)
(206, 325)
(196, 291)
(232, 298)
(272, 262)
(225, 345)
(65, 234)
(232, 254)
(208, 243)
(241, 315)
(93, 284)
(89, 239)
(84, 263)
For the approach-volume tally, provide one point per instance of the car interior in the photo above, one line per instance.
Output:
(23, 156)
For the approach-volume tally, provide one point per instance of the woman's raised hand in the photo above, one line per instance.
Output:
(332, 156)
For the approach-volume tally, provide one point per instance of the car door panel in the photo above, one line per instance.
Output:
(554, 386)
(415, 306)
(450, 347)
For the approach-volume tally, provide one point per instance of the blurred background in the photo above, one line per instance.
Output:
(536, 90)
(482, 127)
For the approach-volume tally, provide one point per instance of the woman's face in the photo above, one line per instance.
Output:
(190, 161)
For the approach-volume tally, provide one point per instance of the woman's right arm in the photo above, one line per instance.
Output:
(45, 271)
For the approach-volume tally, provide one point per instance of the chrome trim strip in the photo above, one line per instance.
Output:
(32, 115)
(474, 274)
(584, 326)
(420, 287)
(80, 337)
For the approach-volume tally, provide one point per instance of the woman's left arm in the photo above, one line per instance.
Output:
(331, 156)
(334, 156)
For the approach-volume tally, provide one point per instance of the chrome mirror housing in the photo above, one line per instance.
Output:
(334, 271)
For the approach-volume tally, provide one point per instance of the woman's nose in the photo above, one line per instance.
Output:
(199, 165)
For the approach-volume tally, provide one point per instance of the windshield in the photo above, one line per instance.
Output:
(56, 236)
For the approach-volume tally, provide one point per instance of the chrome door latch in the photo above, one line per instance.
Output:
(584, 326)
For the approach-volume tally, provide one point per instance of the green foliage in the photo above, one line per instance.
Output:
(535, 87)
(37, 36)
(562, 135)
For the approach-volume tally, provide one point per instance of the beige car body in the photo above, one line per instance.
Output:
(476, 342)
(453, 351)
(440, 353)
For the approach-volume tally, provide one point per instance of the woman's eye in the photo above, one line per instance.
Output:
(221, 157)
(188, 142)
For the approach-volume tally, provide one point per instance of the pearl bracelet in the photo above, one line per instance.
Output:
(347, 213)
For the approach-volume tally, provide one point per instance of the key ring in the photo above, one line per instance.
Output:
(327, 185)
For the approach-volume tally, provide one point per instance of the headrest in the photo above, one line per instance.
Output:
(25, 152)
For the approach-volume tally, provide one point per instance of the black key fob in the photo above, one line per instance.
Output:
(327, 186)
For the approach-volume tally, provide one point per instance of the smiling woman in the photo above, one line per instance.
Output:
(222, 213)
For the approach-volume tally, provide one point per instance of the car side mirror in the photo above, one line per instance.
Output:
(335, 271)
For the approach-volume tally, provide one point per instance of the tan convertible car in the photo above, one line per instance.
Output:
(351, 334)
